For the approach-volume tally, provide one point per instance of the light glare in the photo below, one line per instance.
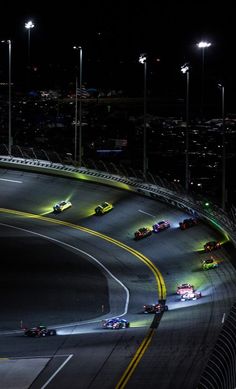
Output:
(29, 24)
(203, 44)
(185, 68)
(142, 58)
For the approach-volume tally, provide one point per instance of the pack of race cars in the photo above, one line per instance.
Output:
(101, 209)
(147, 231)
(185, 291)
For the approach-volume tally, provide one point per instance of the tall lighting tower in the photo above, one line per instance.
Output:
(29, 25)
(203, 45)
(143, 60)
(222, 88)
(80, 107)
(185, 70)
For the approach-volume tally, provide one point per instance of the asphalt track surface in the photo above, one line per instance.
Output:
(70, 279)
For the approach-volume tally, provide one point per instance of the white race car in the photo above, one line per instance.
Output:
(61, 206)
(191, 296)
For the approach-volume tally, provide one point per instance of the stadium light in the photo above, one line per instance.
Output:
(143, 61)
(29, 25)
(203, 45)
(80, 107)
(222, 88)
(185, 70)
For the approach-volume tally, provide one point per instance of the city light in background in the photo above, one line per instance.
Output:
(110, 71)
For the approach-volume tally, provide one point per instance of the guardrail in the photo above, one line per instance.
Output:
(217, 217)
(220, 371)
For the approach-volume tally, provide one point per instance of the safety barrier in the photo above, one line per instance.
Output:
(218, 218)
(220, 371)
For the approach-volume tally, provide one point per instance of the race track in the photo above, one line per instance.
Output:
(71, 270)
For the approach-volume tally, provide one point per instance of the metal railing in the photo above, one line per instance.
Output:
(220, 371)
(153, 185)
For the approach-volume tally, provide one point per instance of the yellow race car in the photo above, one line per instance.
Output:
(103, 208)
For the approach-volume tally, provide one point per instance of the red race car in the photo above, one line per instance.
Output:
(142, 233)
(187, 223)
(39, 331)
(185, 288)
(155, 308)
(213, 245)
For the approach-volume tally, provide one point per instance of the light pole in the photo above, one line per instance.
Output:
(9, 96)
(80, 107)
(185, 70)
(222, 88)
(202, 45)
(29, 25)
(143, 60)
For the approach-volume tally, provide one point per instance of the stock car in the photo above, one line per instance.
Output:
(115, 323)
(103, 208)
(212, 245)
(142, 233)
(61, 206)
(209, 264)
(185, 288)
(191, 296)
(39, 331)
(162, 225)
(155, 308)
(187, 223)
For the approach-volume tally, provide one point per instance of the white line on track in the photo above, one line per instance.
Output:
(18, 182)
(39, 356)
(146, 213)
(223, 319)
(57, 371)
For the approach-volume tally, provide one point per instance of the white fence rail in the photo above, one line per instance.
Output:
(216, 216)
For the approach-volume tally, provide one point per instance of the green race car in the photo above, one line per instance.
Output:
(209, 264)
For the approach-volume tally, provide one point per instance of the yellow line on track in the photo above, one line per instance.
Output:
(157, 274)
(136, 359)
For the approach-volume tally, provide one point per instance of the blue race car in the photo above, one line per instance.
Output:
(115, 323)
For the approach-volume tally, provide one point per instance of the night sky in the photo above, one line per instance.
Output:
(113, 34)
